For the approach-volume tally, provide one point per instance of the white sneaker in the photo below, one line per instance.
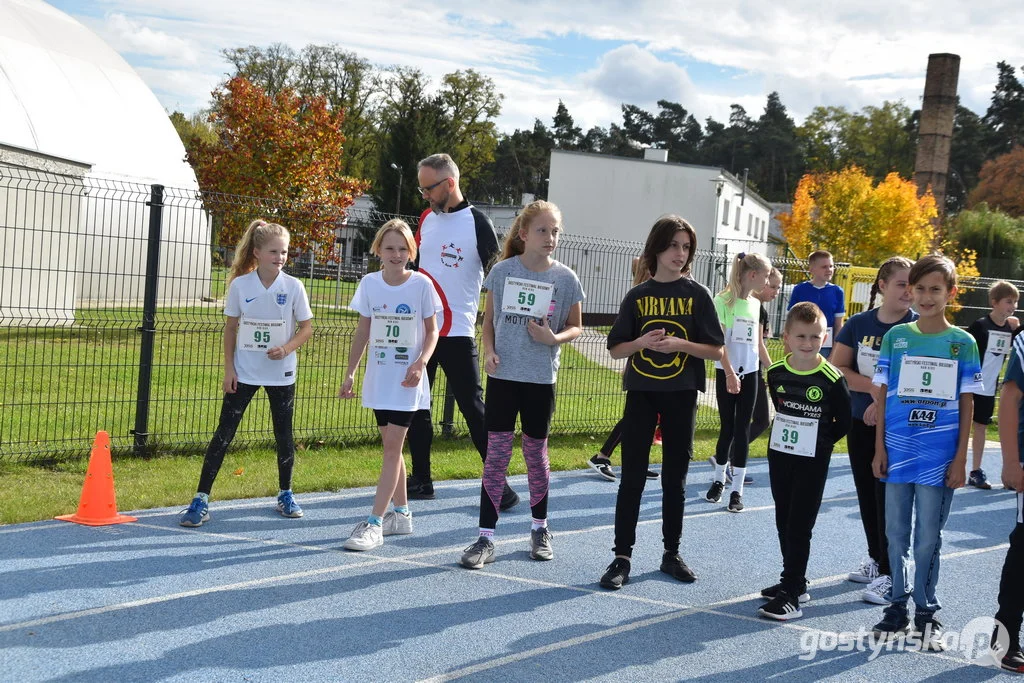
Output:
(365, 536)
(866, 573)
(878, 590)
(396, 524)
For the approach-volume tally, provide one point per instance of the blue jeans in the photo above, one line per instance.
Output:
(930, 506)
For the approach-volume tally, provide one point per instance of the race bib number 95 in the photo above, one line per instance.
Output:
(260, 335)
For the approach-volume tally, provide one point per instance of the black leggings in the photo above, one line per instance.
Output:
(1011, 590)
(534, 404)
(736, 411)
(860, 442)
(639, 418)
(458, 358)
(761, 419)
(282, 407)
(798, 484)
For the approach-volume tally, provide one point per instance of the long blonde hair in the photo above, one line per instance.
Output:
(255, 236)
(514, 245)
(741, 265)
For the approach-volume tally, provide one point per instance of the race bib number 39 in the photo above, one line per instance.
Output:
(794, 435)
(922, 377)
(397, 329)
(526, 297)
(260, 335)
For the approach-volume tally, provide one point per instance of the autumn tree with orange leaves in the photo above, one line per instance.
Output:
(1001, 183)
(858, 221)
(284, 149)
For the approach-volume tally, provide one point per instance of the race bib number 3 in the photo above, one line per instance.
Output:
(261, 335)
(794, 435)
(526, 297)
(744, 331)
(397, 329)
(922, 377)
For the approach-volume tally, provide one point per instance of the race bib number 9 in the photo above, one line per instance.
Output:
(744, 331)
(261, 335)
(395, 329)
(526, 297)
(794, 435)
(923, 377)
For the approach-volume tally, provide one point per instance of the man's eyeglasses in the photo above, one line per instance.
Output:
(428, 188)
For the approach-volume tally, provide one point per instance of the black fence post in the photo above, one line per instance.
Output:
(148, 328)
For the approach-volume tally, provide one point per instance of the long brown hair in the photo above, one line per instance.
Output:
(514, 245)
(255, 236)
(660, 237)
(886, 271)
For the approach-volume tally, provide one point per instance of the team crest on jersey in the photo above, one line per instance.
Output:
(403, 308)
(900, 343)
(814, 394)
(282, 299)
(954, 349)
(451, 256)
(920, 416)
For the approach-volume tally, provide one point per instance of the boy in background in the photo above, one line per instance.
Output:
(820, 291)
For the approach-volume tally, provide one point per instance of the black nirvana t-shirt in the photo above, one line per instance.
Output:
(683, 308)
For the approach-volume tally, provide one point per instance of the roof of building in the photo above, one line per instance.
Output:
(65, 93)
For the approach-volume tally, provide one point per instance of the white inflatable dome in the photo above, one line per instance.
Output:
(66, 93)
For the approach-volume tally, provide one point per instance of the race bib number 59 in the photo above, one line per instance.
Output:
(526, 297)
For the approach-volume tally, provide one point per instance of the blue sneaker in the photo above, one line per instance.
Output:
(287, 506)
(197, 513)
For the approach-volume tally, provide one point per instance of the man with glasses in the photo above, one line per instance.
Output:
(456, 244)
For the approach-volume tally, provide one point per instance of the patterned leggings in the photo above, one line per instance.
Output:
(282, 407)
(534, 404)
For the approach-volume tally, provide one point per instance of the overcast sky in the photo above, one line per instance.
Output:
(593, 55)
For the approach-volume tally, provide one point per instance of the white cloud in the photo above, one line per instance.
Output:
(129, 36)
(811, 53)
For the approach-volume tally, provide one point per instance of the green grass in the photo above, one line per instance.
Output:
(33, 493)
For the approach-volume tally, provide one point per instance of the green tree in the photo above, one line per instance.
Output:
(271, 68)
(1005, 115)
(471, 102)
(880, 140)
(194, 127)
(822, 138)
(566, 133)
(967, 153)
(778, 161)
(996, 237)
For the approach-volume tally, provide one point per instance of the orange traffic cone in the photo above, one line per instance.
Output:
(98, 504)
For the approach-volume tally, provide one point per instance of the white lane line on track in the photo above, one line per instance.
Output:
(682, 611)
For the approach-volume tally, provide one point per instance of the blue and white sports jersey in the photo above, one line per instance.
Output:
(924, 376)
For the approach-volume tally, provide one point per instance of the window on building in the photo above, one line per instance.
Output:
(725, 213)
(750, 225)
(737, 223)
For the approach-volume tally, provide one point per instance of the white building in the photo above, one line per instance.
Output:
(619, 198)
(83, 137)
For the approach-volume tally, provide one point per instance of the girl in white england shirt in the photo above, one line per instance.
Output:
(396, 319)
(268, 320)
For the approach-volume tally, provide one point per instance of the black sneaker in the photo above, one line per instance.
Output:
(617, 574)
(735, 502)
(771, 591)
(782, 607)
(509, 499)
(419, 490)
(674, 566)
(894, 623)
(930, 631)
(651, 474)
(602, 465)
(714, 494)
(1013, 660)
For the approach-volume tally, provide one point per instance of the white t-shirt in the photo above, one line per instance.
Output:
(267, 318)
(396, 339)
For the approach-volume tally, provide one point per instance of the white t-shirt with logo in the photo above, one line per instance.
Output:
(267, 318)
(396, 339)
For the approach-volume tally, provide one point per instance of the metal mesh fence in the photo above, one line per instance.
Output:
(111, 317)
